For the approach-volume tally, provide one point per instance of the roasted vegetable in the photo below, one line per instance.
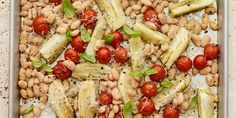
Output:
(90, 71)
(54, 47)
(58, 100)
(97, 35)
(87, 100)
(167, 95)
(205, 103)
(177, 46)
(113, 12)
(137, 53)
(150, 35)
(188, 6)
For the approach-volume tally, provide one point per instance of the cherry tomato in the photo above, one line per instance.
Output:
(40, 25)
(159, 76)
(152, 16)
(72, 55)
(103, 55)
(78, 44)
(211, 51)
(56, 2)
(102, 115)
(105, 98)
(88, 18)
(146, 107)
(117, 39)
(61, 71)
(149, 89)
(200, 62)
(121, 55)
(184, 63)
(170, 112)
(119, 115)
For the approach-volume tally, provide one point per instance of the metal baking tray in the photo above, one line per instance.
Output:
(14, 99)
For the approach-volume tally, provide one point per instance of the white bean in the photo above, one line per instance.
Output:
(214, 68)
(205, 70)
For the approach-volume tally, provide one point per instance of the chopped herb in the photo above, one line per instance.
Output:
(47, 68)
(85, 35)
(29, 109)
(69, 35)
(88, 57)
(150, 72)
(131, 32)
(68, 9)
(109, 38)
(37, 63)
(136, 73)
(193, 102)
(164, 85)
(128, 108)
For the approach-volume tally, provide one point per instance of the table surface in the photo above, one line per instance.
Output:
(4, 50)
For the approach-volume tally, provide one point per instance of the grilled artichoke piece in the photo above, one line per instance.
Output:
(90, 71)
(87, 100)
(150, 35)
(58, 100)
(166, 96)
(188, 6)
(113, 12)
(137, 53)
(177, 46)
(54, 47)
(205, 103)
(97, 35)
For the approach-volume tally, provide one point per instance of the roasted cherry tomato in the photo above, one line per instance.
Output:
(170, 112)
(159, 76)
(102, 115)
(103, 55)
(105, 98)
(88, 18)
(184, 63)
(149, 89)
(121, 55)
(152, 16)
(78, 44)
(117, 39)
(200, 62)
(211, 51)
(40, 25)
(146, 106)
(61, 71)
(119, 115)
(56, 2)
(72, 55)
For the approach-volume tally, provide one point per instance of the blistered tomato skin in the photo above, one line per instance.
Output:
(146, 107)
(211, 51)
(200, 62)
(152, 16)
(88, 18)
(119, 115)
(103, 55)
(184, 63)
(149, 89)
(121, 55)
(72, 55)
(61, 71)
(170, 112)
(105, 98)
(40, 25)
(56, 2)
(78, 44)
(117, 39)
(160, 75)
(103, 115)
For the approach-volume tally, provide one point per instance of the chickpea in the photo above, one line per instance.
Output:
(42, 107)
(180, 98)
(197, 29)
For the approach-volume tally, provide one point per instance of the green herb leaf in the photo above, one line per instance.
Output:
(131, 32)
(109, 38)
(128, 108)
(29, 109)
(37, 63)
(193, 102)
(160, 88)
(166, 84)
(85, 35)
(88, 57)
(150, 72)
(47, 68)
(68, 9)
(69, 35)
(136, 73)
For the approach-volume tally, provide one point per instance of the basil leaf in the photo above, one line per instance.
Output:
(88, 57)
(109, 38)
(160, 88)
(166, 84)
(37, 63)
(150, 72)
(131, 32)
(68, 9)
(69, 35)
(193, 102)
(85, 35)
(47, 68)
(29, 109)
(128, 108)
(136, 73)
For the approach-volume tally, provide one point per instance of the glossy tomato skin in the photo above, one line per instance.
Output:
(170, 112)
(149, 89)
(72, 55)
(184, 63)
(119, 115)
(61, 71)
(40, 25)
(56, 2)
(103, 55)
(117, 39)
(146, 107)
(121, 55)
(152, 16)
(78, 44)
(102, 115)
(105, 98)
(200, 62)
(88, 18)
(160, 75)
(211, 51)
